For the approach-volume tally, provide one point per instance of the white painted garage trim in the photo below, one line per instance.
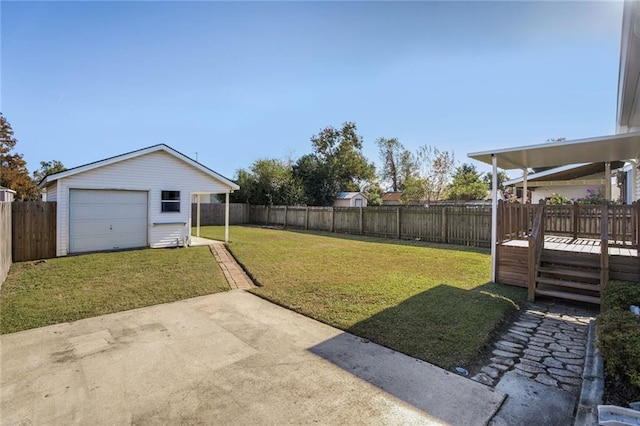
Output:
(103, 220)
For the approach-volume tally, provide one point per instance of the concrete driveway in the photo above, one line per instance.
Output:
(227, 358)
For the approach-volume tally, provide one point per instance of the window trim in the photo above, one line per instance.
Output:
(165, 202)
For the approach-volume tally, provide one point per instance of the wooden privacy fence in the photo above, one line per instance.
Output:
(622, 222)
(464, 225)
(213, 214)
(33, 230)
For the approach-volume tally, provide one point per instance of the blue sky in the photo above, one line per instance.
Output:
(239, 81)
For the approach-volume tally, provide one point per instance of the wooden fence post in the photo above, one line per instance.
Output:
(575, 222)
(267, 218)
(361, 221)
(445, 225)
(285, 217)
(398, 223)
(333, 219)
(306, 218)
(604, 246)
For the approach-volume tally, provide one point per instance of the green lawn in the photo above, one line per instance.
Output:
(75, 287)
(433, 302)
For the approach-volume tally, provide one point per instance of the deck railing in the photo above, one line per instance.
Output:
(515, 220)
(574, 220)
(536, 244)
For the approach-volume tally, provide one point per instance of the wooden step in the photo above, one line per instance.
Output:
(568, 284)
(569, 272)
(570, 262)
(569, 296)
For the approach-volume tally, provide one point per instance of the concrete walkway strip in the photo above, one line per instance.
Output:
(226, 358)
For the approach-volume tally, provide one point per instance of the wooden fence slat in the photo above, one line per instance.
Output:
(33, 230)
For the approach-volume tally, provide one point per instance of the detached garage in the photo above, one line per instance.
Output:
(137, 199)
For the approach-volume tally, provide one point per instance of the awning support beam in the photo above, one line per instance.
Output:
(494, 217)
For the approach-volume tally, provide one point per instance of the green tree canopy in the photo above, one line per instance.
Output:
(47, 168)
(269, 182)
(502, 178)
(467, 185)
(336, 164)
(317, 179)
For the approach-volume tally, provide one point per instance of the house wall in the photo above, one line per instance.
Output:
(6, 196)
(359, 197)
(51, 192)
(154, 172)
(342, 203)
(350, 202)
(571, 192)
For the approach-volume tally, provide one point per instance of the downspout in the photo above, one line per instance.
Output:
(494, 217)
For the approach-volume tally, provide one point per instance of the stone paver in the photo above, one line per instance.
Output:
(234, 274)
(546, 344)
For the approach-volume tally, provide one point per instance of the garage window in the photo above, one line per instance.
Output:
(170, 201)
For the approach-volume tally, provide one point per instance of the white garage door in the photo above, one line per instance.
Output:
(106, 220)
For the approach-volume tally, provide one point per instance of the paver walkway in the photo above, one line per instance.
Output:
(547, 344)
(234, 274)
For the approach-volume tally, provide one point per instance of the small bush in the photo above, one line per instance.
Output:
(621, 295)
(619, 334)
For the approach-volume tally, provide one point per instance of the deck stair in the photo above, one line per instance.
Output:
(572, 276)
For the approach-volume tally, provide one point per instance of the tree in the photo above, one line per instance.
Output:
(414, 190)
(317, 179)
(373, 192)
(337, 164)
(47, 168)
(398, 163)
(436, 170)
(467, 185)
(269, 182)
(13, 169)
(502, 178)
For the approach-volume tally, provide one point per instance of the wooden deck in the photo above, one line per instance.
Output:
(578, 245)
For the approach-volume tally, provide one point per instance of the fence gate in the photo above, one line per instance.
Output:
(33, 230)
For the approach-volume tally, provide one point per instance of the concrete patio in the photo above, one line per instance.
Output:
(227, 358)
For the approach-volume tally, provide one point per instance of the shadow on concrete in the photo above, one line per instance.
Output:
(423, 326)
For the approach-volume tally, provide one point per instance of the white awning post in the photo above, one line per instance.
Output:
(226, 217)
(198, 215)
(494, 217)
(525, 197)
(607, 181)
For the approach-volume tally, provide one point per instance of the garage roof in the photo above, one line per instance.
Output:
(133, 154)
(604, 148)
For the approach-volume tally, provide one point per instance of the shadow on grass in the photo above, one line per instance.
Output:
(380, 240)
(446, 325)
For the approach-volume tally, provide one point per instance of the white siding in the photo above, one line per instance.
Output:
(153, 172)
(341, 203)
(52, 192)
(350, 202)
